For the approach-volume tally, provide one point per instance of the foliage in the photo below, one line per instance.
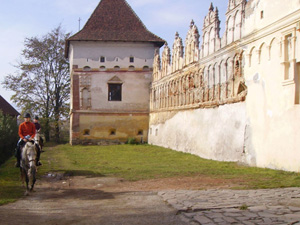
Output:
(41, 83)
(131, 141)
(243, 207)
(8, 136)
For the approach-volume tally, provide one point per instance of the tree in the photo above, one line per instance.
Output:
(42, 82)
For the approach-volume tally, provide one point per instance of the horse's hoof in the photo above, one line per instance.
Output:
(26, 193)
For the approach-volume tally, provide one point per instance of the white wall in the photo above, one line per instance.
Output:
(115, 53)
(263, 130)
(215, 133)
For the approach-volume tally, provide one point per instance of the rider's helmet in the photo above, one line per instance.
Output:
(27, 115)
(36, 118)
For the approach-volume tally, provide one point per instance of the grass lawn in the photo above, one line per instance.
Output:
(138, 162)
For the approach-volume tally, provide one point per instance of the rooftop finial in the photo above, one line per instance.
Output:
(192, 24)
(211, 8)
(176, 35)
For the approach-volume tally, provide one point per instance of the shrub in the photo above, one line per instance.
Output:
(8, 136)
(132, 141)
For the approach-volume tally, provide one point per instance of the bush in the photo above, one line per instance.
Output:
(8, 136)
(132, 141)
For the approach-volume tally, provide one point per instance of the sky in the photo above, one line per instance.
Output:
(20, 19)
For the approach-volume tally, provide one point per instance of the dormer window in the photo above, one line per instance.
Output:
(102, 59)
(146, 68)
(87, 68)
(131, 59)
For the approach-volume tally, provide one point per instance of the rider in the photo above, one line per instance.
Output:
(26, 133)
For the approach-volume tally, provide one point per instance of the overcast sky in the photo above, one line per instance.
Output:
(20, 19)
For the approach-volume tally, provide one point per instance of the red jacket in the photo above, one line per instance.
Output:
(26, 128)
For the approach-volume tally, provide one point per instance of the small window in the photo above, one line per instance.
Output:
(114, 92)
(131, 59)
(146, 68)
(86, 132)
(116, 68)
(102, 59)
(112, 132)
(140, 132)
(86, 68)
(262, 14)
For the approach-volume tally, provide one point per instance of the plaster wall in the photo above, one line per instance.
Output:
(260, 14)
(213, 133)
(135, 91)
(115, 53)
(117, 128)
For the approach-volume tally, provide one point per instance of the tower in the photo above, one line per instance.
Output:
(111, 62)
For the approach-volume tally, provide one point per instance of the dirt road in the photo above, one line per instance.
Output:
(82, 200)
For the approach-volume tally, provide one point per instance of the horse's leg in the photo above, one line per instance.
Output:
(27, 181)
(33, 172)
(22, 176)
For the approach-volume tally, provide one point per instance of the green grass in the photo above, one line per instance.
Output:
(139, 162)
(10, 184)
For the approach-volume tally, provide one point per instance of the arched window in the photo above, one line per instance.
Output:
(87, 68)
(131, 68)
(146, 68)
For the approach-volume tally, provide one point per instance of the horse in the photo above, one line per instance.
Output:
(38, 140)
(28, 165)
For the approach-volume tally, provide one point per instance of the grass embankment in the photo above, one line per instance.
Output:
(138, 162)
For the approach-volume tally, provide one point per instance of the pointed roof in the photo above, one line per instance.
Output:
(115, 20)
(6, 108)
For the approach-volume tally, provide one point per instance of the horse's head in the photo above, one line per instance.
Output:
(37, 137)
(29, 154)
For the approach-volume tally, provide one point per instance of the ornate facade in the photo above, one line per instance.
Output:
(236, 97)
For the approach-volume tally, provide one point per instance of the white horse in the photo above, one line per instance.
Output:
(28, 165)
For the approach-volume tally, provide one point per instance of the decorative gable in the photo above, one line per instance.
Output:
(115, 80)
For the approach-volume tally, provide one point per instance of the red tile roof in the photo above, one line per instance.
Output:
(115, 20)
(6, 108)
